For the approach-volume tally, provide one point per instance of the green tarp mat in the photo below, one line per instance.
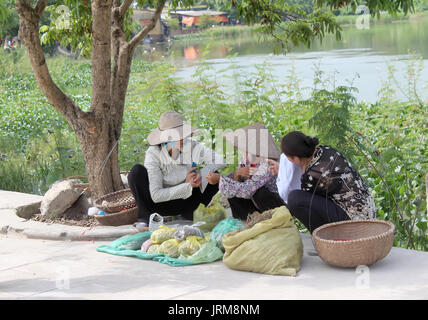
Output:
(129, 246)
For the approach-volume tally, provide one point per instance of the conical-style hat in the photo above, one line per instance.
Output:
(254, 139)
(171, 128)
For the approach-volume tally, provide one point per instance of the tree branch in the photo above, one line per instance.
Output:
(144, 32)
(40, 7)
(101, 51)
(121, 68)
(29, 34)
(125, 6)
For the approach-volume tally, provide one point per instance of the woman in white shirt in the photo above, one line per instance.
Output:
(289, 177)
(168, 183)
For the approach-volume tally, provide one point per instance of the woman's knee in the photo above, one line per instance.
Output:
(137, 170)
(136, 175)
(296, 199)
(267, 200)
(262, 194)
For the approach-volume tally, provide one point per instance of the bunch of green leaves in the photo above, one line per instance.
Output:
(375, 7)
(9, 20)
(395, 168)
(71, 23)
(331, 114)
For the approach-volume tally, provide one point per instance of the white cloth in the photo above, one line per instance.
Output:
(289, 177)
(167, 176)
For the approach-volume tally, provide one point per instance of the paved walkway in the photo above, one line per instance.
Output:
(46, 269)
(43, 269)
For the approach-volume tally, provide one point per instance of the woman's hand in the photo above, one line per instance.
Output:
(197, 180)
(213, 178)
(243, 172)
(191, 178)
(273, 167)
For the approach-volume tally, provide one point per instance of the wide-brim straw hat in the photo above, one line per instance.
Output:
(254, 139)
(171, 128)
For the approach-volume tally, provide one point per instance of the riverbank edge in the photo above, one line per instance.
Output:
(343, 20)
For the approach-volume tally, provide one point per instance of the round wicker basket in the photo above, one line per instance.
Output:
(352, 243)
(116, 201)
(120, 208)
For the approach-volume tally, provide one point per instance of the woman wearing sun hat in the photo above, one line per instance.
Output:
(168, 184)
(252, 187)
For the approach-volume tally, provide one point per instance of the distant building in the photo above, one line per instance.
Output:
(191, 18)
(187, 18)
(144, 17)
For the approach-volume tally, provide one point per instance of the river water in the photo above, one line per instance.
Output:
(363, 58)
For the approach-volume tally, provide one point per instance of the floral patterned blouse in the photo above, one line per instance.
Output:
(230, 188)
(331, 175)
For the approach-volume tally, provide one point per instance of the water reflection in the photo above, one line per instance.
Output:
(190, 53)
(361, 51)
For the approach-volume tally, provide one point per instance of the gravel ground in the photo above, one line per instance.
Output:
(70, 220)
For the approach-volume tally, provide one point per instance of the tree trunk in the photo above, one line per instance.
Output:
(98, 130)
(100, 149)
(101, 160)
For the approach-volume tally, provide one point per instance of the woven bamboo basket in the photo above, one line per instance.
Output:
(352, 243)
(116, 201)
(129, 216)
(119, 207)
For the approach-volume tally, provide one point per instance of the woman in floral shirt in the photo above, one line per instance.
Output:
(332, 189)
(252, 187)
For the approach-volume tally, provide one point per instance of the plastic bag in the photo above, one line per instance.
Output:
(146, 245)
(162, 234)
(223, 227)
(153, 249)
(190, 245)
(155, 221)
(207, 236)
(211, 216)
(170, 248)
(130, 242)
(185, 231)
(208, 252)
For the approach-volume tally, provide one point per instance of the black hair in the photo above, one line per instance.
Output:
(297, 144)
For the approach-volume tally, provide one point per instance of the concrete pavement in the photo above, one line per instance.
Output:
(43, 269)
(46, 269)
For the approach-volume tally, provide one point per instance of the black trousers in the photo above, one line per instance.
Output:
(138, 181)
(264, 199)
(314, 210)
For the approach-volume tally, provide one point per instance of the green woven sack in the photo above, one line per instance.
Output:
(271, 246)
